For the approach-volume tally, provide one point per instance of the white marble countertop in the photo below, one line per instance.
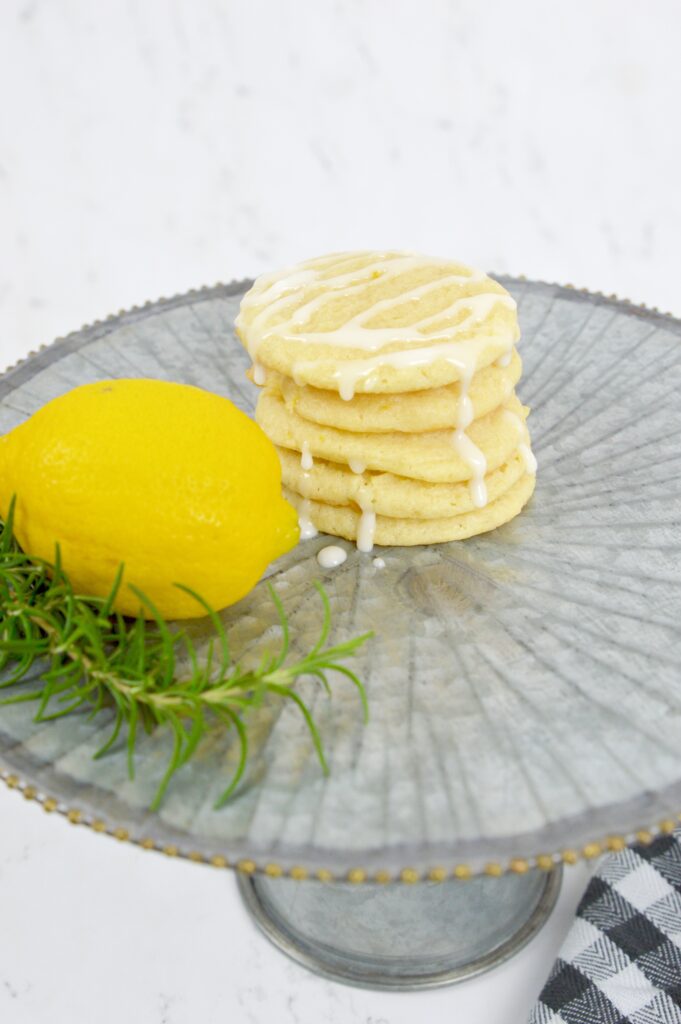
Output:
(153, 147)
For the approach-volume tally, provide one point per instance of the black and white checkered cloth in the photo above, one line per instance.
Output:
(621, 963)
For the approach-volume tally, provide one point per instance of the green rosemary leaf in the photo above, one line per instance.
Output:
(168, 660)
(190, 651)
(68, 710)
(175, 760)
(48, 691)
(326, 621)
(106, 608)
(133, 711)
(210, 651)
(21, 698)
(216, 622)
(68, 607)
(285, 691)
(115, 733)
(88, 629)
(98, 703)
(13, 646)
(283, 622)
(22, 669)
(193, 736)
(321, 676)
(228, 715)
(355, 680)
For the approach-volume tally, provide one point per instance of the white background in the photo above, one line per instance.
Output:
(147, 147)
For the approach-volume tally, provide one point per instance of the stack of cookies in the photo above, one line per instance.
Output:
(388, 389)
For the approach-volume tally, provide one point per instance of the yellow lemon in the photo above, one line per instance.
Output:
(172, 481)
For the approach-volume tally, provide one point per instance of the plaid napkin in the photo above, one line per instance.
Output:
(621, 963)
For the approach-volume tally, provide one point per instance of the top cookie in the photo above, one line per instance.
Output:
(377, 322)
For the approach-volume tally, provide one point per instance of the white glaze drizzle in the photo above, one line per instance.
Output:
(284, 292)
(464, 412)
(259, 374)
(529, 458)
(505, 360)
(354, 334)
(331, 557)
(366, 530)
(282, 282)
(524, 449)
(356, 466)
(378, 563)
(308, 530)
(461, 354)
(366, 527)
(463, 446)
(277, 292)
(475, 458)
(306, 460)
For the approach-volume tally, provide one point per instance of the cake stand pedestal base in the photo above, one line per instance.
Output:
(401, 936)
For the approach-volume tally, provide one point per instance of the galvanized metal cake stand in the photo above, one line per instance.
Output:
(524, 686)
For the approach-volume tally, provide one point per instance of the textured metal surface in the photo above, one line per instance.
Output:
(420, 936)
(525, 686)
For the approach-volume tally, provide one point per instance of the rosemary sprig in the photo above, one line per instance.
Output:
(97, 658)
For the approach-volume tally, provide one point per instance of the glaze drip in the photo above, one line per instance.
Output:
(306, 460)
(331, 557)
(367, 526)
(308, 530)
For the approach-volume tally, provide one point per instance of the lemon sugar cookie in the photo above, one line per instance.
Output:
(427, 455)
(409, 411)
(377, 322)
(391, 495)
(388, 388)
(351, 523)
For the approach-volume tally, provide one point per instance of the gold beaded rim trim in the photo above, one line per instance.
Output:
(355, 876)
